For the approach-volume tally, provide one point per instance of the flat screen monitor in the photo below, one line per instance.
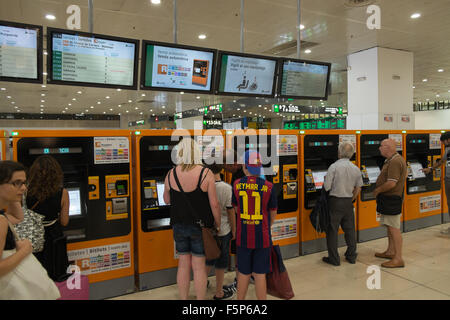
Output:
(172, 67)
(246, 75)
(304, 79)
(75, 202)
(319, 178)
(20, 52)
(160, 191)
(86, 59)
(373, 173)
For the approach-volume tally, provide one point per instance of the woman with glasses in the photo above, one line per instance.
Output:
(47, 197)
(12, 187)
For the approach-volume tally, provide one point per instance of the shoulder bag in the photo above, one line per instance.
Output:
(390, 205)
(32, 227)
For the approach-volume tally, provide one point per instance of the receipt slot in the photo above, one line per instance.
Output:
(282, 147)
(97, 167)
(423, 191)
(319, 152)
(370, 162)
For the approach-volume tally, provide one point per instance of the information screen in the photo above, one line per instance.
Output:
(92, 59)
(373, 173)
(302, 79)
(247, 75)
(62, 150)
(178, 68)
(75, 201)
(20, 52)
(417, 170)
(160, 191)
(319, 178)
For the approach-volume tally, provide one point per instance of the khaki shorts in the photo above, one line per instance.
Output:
(391, 221)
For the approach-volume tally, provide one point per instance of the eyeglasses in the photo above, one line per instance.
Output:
(19, 183)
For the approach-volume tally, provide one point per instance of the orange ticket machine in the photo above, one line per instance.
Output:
(446, 163)
(97, 168)
(370, 163)
(423, 191)
(156, 258)
(3, 144)
(319, 150)
(279, 150)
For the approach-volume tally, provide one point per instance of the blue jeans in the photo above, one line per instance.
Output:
(222, 261)
(188, 240)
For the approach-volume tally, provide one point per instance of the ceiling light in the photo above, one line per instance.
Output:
(46, 53)
(45, 73)
(181, 92)
(111, 109)
(107, 97)
(164, 112)
(98, 102)
(42, 101)
(302, 27)
(163, 107)
(198, 97)
(70, 104)
(130, 101)
(307, 51)
(42, 105)
(3, 89)
(141, 113)
(44, 86)
(127, 111)
(50, 17)
(424, 80)
(202, 36)
(414, 87)
(156, 1)
(415, 15)
(8, 97)
(74, 99)
(136, 108)
(437, 96)
(119, 90)
(143, 95)
(440, 70)
(79, 92)
(66, 108)
(42, 94)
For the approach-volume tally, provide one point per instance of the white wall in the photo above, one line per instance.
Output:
(436, 119)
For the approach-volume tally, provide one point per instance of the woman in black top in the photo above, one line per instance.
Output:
(47, 196)
(12, 187)
(191, 191)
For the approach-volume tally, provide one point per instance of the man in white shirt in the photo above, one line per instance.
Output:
(344, 181)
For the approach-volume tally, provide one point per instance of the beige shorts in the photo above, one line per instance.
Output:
(391, 221)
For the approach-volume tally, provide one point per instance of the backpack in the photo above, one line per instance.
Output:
(320, 215)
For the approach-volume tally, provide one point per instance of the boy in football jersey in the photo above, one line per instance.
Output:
(255, 203)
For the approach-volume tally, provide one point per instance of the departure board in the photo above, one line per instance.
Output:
(93, 59)
(20, 52)
(302, 79)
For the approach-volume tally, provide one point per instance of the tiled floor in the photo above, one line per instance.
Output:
(425, 276)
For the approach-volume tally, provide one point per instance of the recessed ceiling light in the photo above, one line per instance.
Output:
(107, 97)
(111, 109)
(202, 36)
(181, 92)
(50, 17)
(440, 70)
(302, 27)
(44, 73)
(307, 51)
(98, 102)
(437, 96)
(130, 101)
(414, 87)
(156, 1)
(119, 90)
(141, 113)
(198, 97)
(46, 53)
(44, 86)
(143, 95)
(42, 101)
(92, 107)
(415, 15)
(164, 112)
(136, 108)
(8, 97)
(80, 92)
(70, 104)
(424, 80)
(163, 107)
(120, 106)
(42, 94)
(3, 89)
(74, 99)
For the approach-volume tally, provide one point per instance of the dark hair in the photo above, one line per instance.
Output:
(215, 168)
(45, 178)
(445, 136)
(7, 169)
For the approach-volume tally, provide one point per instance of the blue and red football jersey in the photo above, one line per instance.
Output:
(253, 197)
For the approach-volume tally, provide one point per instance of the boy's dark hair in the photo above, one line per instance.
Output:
(7, 169)
(445, 136)
(215, 168)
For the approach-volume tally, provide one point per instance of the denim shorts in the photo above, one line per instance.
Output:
(222, 261)
(188, 240)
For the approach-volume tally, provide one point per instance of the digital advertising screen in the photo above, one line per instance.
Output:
(319, 178)
(20, 52)
(178, 68)
(246, 75)
(304, 79)
(75, 201)
(92, 60)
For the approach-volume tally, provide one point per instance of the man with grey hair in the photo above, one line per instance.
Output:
(344, 181)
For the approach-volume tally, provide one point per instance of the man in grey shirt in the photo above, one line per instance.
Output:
(445, 159)
(344, 181)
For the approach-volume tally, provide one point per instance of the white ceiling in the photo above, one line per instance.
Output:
(337, 29)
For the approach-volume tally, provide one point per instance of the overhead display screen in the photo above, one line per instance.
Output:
(304, 79)
(20, 52)
(78, 58)
(246, 75)
(177, 68)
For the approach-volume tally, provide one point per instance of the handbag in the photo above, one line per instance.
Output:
(28, 281)
(278, 283)
(209, 235)
(32, 227)
(390, 205)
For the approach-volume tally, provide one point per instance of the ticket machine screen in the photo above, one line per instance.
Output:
(160, 191)
(75, 201)
(319, 177)
(373, 173)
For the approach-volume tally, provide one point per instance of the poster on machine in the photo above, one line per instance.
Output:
(284, 229)
(212, 146)
(109, 150)
(287, 145)
(101, 259)
(430, 203)
(398, 140)
(348, 138)
(435, 141)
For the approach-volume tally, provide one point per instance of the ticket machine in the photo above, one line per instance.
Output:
(282, 147)
(156, 258)
(3, 144)
(319, 151)
(445, 213)
(423, 191)
(97, 167)
(371, 162)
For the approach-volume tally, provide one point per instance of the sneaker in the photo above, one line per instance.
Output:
(252, 279)
(446, 232)
(207, 284)
(226, 295)
(231, 287)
